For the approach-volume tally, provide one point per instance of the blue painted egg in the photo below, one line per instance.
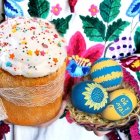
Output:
(89, 97)
(107, 72)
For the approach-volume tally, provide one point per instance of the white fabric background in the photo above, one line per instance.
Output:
(59, 130)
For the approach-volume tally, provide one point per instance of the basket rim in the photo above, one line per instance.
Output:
(109, 125)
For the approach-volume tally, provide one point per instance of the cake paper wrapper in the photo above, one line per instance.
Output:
(32, 96)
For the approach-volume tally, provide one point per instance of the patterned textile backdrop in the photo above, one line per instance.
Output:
(93, 29)
(114, 24)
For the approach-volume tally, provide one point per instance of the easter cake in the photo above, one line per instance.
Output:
(32, 67)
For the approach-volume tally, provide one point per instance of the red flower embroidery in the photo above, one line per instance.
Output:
(130, 80)
(134, 132)
(68, 118)
(72, 4)
(77, 46)
(4, 129)
(132, 62)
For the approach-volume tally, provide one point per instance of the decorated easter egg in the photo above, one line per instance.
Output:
(89, 97)
(107, 72)
(122, 103)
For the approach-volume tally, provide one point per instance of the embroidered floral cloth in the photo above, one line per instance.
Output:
(93, 29)
(115, 23)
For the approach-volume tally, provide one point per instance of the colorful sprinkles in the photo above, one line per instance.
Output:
(34, 40)
(8, 64)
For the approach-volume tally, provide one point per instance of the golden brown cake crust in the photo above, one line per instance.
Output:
(22, 115)
(30, 116)
(8, 80)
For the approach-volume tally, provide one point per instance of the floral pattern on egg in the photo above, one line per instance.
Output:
(89, 97)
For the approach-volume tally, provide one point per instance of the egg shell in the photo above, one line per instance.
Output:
(122, 103)
(107, 72)
(89, 97)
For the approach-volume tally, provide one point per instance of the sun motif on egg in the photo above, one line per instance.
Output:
(95, 95)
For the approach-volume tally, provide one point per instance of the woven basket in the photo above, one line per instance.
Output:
(96, 122)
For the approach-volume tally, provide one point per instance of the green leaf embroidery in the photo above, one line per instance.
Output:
(62, 24)
(109, 9)
(38, 8)
(137, 39)
(138, 75)
(115, 29)
(93, 28)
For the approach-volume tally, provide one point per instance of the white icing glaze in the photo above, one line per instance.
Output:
(30, 47)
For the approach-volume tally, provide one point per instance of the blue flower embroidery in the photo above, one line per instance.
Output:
(12, 9)
(134, 8)
(78, 67)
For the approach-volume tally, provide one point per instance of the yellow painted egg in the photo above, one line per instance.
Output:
(122, 103)
(107, 72)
